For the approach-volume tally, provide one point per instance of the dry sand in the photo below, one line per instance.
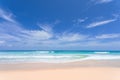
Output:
(63, 74)
(66, 71)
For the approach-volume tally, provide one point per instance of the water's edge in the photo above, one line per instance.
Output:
(56, 56)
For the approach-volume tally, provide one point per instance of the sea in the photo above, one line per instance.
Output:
(55, 56)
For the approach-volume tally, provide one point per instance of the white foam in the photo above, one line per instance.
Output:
(102, 52)
(37, 56)
(56, 58)
(43, 51)
(102, 57)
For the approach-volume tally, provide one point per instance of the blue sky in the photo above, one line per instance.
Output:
(59, 24)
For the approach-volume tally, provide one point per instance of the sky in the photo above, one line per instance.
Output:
(59, 24)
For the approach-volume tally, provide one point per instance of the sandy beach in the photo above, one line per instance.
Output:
(85, 70)
(63, 74)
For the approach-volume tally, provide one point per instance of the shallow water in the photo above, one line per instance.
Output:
(59, 56)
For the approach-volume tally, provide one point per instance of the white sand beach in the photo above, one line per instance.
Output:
(63, 74)
(86, 70)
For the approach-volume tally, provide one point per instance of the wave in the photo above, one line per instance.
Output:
(67, 56)
(101, 52)
(44, 51)
(103, 57)
(56, 57)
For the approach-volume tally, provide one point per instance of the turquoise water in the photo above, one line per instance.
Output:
(58, 56)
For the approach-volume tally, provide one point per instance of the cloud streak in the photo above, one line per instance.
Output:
(72, 37)
(99, 23)
(6, 15)
(108, 36)
(101, 1)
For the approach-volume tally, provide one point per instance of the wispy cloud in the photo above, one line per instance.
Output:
(37, 35)
(72, 37)
(13, 32)
(108, 36)
(79, 21)
(13, 35)
(46, 27)
(99, 23)
(1, 42)
(6, 15)
(101, 1)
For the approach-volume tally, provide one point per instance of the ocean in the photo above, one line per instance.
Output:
(55, 56)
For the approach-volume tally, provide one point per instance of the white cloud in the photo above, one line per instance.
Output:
(101, 1)
(9, 27)
(46, 27)
(12, 34)
(117, 16)
(106, 36)
(37, 35)
(2, 42)
(72, 37)
(6, 15)
(82, 20)
(24, 36)
(5, 36)
(99, 23)
(11, 30)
